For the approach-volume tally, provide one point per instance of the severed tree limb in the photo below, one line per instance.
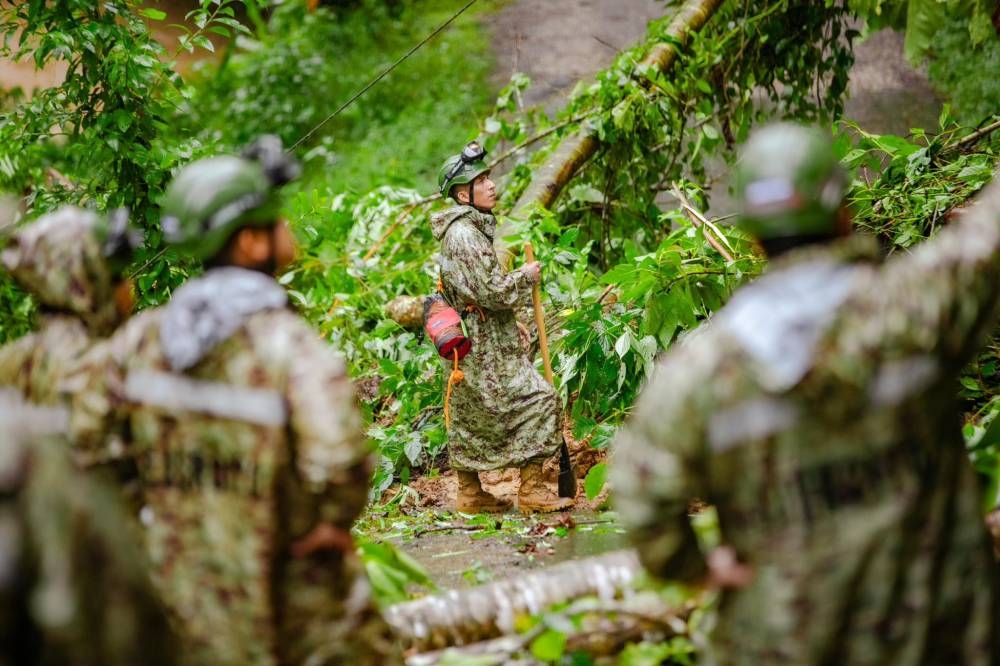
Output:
(698, 219)
(550, 179)
(980, 133)
(407, 311)
(459, 617)
(600, 629)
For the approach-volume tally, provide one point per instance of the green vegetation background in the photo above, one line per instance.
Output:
(126, 120)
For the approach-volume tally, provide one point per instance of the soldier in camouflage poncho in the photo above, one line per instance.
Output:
(817, 411)
(74, 587)
(69, 261)
(246, 436)
(503, 413)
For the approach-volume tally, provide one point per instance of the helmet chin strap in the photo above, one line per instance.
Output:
(472, 195)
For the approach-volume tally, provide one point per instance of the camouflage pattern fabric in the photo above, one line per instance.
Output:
(74, 588)
(503, 413)
(37, 363)
(817, 412)
(74, 585)
(246, 435)
(59, 260)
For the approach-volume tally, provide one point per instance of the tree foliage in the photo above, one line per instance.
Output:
(922, 20)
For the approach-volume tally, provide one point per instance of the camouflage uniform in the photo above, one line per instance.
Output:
(245, 433)
(503, 413)
(817, 411)
(59, 260)
(74, 587)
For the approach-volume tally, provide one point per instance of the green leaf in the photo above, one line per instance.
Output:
(453, 657)
(153, 14)
(595, 480)
(923, 18)
(204, 42)
(623, 344)
(549, 646)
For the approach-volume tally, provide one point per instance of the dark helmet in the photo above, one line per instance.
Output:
(462, 168)
(789, 182)
(212, 198)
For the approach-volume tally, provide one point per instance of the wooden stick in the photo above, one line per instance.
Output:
(536, 299)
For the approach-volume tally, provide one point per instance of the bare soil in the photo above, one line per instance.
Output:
(23, 74)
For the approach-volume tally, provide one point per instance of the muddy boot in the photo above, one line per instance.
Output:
(539, 493)
(473, 499)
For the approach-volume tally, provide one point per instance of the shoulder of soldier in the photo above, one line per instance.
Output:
(135, 334)
(463, 230)
(281, 334)
(65, 327)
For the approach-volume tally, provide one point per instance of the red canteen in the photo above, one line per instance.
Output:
(444, 327)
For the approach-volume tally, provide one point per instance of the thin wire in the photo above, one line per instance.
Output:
(383, 74)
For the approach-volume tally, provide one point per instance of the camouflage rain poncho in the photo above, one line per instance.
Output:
(817, 412)
(58, 260)
(245, 433)
(74, 585)
(503, 413)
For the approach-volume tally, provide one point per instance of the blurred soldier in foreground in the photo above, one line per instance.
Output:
(817, 411)
(247, 439)
(74, 588)
(71, 262)
(503, 413)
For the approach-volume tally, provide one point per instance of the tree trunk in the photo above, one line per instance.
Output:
(549, 179)
(598, 630)
(462, 617)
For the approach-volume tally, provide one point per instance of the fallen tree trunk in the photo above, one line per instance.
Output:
(463, 617)
(599, 629)
(550, 179)
(407, 311)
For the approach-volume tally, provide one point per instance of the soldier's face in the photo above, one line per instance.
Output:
(484, 193)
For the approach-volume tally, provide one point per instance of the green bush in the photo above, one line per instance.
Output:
(966, 73)
(304, 66)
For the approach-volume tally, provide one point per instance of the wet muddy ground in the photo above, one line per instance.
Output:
(460, 552)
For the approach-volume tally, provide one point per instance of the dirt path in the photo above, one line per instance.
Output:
(559, 42)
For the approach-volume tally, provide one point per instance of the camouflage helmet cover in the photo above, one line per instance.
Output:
(789, 182)
(69, 261)
(462, 168)
(212, 198)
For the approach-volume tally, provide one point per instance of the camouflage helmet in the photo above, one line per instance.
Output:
(70, 259)
(789, 182)
(212, 198)
(462, 168)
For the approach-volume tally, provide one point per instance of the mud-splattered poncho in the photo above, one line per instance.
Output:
(504, 413)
